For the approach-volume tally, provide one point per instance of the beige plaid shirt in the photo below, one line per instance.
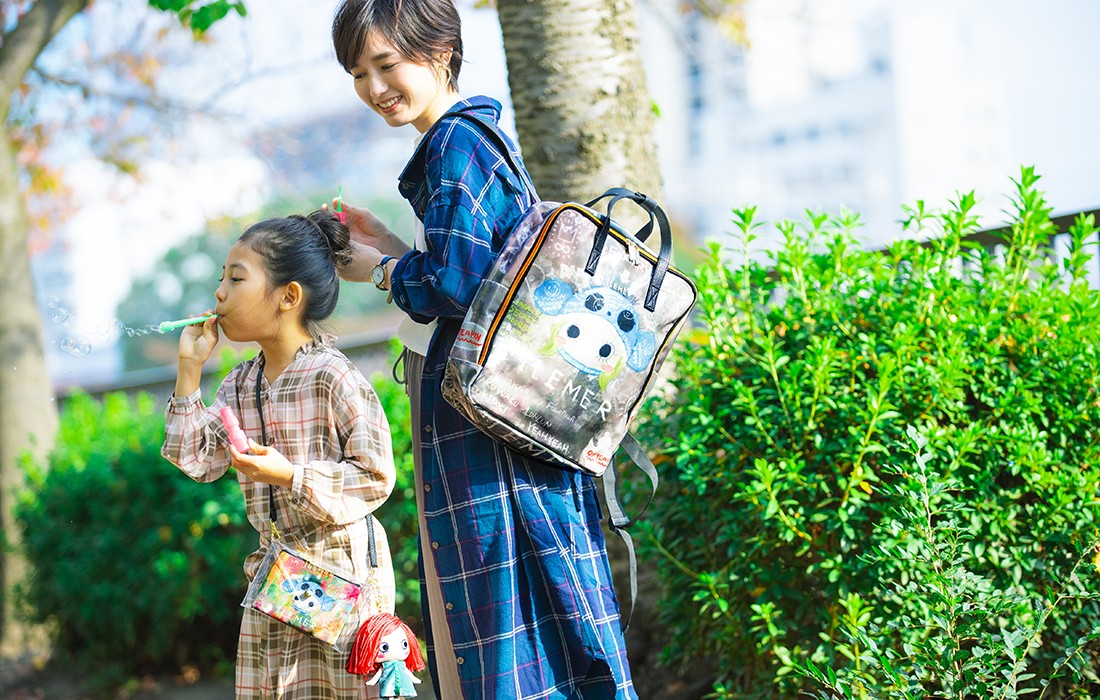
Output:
(323, 415)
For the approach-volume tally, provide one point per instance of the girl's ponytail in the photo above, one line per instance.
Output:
(336, 235)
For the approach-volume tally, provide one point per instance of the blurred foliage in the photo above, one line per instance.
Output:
(105, 92)
(200, 15)
(135, 567)
(962, 567)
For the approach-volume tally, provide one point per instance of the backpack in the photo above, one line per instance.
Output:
(566, 334)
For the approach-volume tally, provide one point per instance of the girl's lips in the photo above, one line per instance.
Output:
(389, 104)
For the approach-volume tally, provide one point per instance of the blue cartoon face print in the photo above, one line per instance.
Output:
(596, 331)
(308, 595)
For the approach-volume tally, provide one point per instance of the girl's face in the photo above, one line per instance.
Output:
(245, 306)
(400, 89)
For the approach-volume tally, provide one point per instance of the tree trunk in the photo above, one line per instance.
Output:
(583, 113)
(28, 417)
(585, 123)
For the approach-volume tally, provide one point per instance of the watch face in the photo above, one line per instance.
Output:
(378, 275)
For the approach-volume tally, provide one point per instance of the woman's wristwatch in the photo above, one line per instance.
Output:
(380, 275)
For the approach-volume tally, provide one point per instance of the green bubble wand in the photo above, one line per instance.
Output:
(175, 325)
(340, 214)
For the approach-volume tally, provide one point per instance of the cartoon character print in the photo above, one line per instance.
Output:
(597, 330)
(308, 595)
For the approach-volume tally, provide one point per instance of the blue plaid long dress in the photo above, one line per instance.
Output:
(517, 543)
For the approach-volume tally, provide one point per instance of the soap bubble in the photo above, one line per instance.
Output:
(63, 317)
(53, 302)
(76, 345)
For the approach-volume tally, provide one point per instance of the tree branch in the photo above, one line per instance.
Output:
(26, 41)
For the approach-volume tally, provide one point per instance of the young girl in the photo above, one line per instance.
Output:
(328, 461)
(517, 591)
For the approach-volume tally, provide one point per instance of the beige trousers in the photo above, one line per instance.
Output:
(445, 663)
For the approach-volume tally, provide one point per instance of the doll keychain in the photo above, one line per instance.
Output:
(386, 650)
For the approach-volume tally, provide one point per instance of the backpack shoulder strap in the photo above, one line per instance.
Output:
(492, 130)
(617, 519)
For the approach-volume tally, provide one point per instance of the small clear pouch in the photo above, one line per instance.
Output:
(312, 599)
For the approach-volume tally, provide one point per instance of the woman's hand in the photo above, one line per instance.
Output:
(367, 229)
(363, 260)
(266, 464)
(197, 344)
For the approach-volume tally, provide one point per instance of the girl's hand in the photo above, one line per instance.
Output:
(197, 342)
(266, 464)
(196, 346)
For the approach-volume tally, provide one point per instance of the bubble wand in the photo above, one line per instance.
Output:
(174, 325)
(339, 213)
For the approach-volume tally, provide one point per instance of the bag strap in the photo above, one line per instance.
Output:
(372, 550)
(617, 518)
(664, 256)
(492, 130)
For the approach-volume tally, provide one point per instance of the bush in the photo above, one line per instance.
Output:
(136, 567)
(842, 550)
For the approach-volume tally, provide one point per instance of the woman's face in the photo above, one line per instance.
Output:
(400, 89)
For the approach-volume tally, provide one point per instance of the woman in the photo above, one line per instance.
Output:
(517, 591)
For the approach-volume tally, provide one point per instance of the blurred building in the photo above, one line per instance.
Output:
(872, 104)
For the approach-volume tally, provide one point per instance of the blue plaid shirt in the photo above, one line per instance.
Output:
(517, 543)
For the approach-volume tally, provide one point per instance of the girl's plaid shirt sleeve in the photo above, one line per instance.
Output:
(194, 438)
(321, 414)
(358, 474)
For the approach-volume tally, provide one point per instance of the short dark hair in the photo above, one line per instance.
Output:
(308, 250)
(420, 29)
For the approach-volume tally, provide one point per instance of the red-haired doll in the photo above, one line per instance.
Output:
(386, 650)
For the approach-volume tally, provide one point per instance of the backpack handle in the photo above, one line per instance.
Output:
(655, 213)
(651, 207)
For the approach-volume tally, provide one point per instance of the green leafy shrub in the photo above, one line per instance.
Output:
(794, 520)
(136, 568)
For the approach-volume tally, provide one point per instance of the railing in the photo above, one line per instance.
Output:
(368, 350)
(996, 237)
